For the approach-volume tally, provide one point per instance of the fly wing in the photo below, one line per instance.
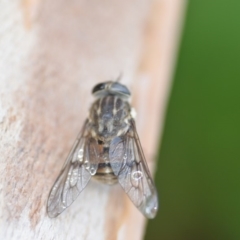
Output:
(81, 164)
(129, 165)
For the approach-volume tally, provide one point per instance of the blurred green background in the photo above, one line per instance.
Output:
(198, 174)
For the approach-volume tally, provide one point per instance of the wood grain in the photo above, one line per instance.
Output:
(52, 53)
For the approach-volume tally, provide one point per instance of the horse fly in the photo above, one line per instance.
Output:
(107, 149)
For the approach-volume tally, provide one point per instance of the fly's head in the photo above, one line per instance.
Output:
(111, 88)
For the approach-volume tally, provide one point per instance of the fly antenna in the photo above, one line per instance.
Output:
(118, 79)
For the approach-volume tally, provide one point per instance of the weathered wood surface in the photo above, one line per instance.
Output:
(51, 54)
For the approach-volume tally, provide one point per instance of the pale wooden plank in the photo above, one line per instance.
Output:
(52, 53)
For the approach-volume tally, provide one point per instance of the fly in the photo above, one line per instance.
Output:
(108, 149)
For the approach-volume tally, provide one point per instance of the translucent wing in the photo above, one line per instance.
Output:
(81, 164)
(129, 165)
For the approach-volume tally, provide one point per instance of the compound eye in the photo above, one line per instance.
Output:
(99, 87)
(120, 89)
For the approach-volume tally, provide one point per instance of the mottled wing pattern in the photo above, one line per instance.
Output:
(129, 165)
(80, 165)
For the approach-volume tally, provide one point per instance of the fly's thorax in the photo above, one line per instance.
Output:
(109, 117)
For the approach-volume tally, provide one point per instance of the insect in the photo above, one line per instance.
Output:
(107, 149)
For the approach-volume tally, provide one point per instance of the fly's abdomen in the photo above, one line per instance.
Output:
(105, 174)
